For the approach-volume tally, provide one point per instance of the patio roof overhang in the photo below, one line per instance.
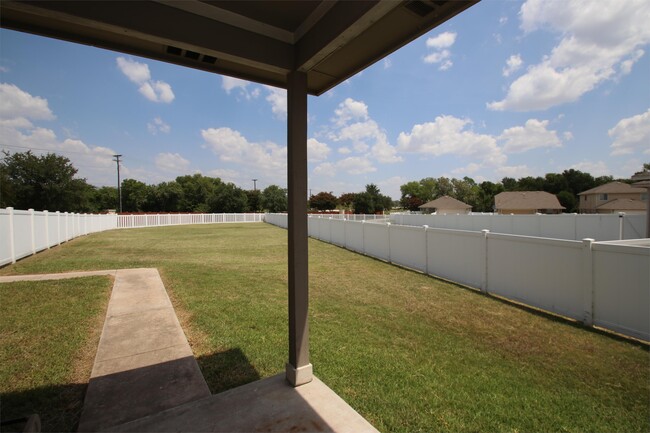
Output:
(261, 41)
(306, 47)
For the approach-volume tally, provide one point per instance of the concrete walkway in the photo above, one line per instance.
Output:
(146, 379)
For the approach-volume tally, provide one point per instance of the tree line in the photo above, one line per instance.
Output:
(48, 182)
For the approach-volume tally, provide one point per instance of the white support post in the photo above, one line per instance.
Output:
(12, 243)
(588, 282)
(484, 282)
(32, 231)
(363, 236)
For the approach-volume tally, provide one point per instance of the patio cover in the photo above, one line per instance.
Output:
(306, 47)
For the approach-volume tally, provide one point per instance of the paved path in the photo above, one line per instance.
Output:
(144, 363)
(62, 276)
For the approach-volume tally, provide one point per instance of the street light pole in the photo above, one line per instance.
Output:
(119, 184)
(254, 184)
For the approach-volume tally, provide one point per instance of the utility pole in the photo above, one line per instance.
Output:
(119, 184)
(254, 184)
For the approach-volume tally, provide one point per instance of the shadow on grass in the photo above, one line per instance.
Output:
(60, 406)
(225, 370)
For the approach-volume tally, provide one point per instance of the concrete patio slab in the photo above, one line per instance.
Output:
(268, 405)
(144, 364)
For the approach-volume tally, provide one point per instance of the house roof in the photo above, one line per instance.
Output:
(257, 40)
(445, 202)
(623, 204)
(611, 188)
(526, 200)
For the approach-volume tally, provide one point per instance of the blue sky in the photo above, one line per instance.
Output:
(507, 88)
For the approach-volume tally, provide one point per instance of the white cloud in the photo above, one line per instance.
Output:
(513, 64)
(228, 175)
(18, 104)
(390, 186)
(443, 40)
(325, 169)
(172, 163)
(597, 40)
(353, 124)
(344, 150)
(153, 90)
(514, 171)
(229, 83)
(598, 168)
(268, 158)
(350, 110)
(356, 165)
(387, 63)
(532, 135)
(470, 168)
(447, 135)
(278, 100)
(158, 125)
(631, 134)
(441, 55)
(135, 71)
(19, 134)
(317, 151)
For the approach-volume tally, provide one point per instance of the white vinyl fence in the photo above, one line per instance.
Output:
(26, 232)
(599, 283)
(563, 226)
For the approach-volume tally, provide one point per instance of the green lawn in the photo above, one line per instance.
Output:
(409, 352)
(49, 331)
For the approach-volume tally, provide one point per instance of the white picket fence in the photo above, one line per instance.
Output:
(603, 227)
(599, 283)
(26, 232)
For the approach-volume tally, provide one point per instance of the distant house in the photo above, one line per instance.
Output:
(613, 197)
(446, 205)
(526, 202)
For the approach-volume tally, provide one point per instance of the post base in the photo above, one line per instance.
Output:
(299, 376)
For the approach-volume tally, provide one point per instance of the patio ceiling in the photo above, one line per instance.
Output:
(261, 41)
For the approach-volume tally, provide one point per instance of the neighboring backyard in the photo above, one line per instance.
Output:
(409, 352)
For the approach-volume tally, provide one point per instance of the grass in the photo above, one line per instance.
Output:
(409, 352)
(49, 332)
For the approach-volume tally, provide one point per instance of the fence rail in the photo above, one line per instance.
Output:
(564, 226)
(26, 232)
(599, 283)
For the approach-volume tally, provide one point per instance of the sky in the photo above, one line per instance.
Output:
(506, 88)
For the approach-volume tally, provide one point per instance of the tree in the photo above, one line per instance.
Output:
(45, 182)
(274, 199)
(323, 201)
(134, 195)
(197, 192)
(228, 198)
(165, 197)
(568, 200)
(254, 200)
(486, 193)
(104, 198)
(363, 203)
(371, 201)
(412, 195)
(346, 200)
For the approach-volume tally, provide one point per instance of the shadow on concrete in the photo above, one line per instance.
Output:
(125, 396)
(59, 407)
(226, 370)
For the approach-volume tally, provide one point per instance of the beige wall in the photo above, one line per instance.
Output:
(589, 202)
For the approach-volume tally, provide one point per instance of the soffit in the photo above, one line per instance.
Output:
(259, 41)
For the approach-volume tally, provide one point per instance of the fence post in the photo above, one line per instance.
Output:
(484, 282)
(588, 281)
(31, 229)
(47, 228)
(426, 249)
(58, 228)
(621, 224)
(363, 236)
(388, 232)
(12, 244)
